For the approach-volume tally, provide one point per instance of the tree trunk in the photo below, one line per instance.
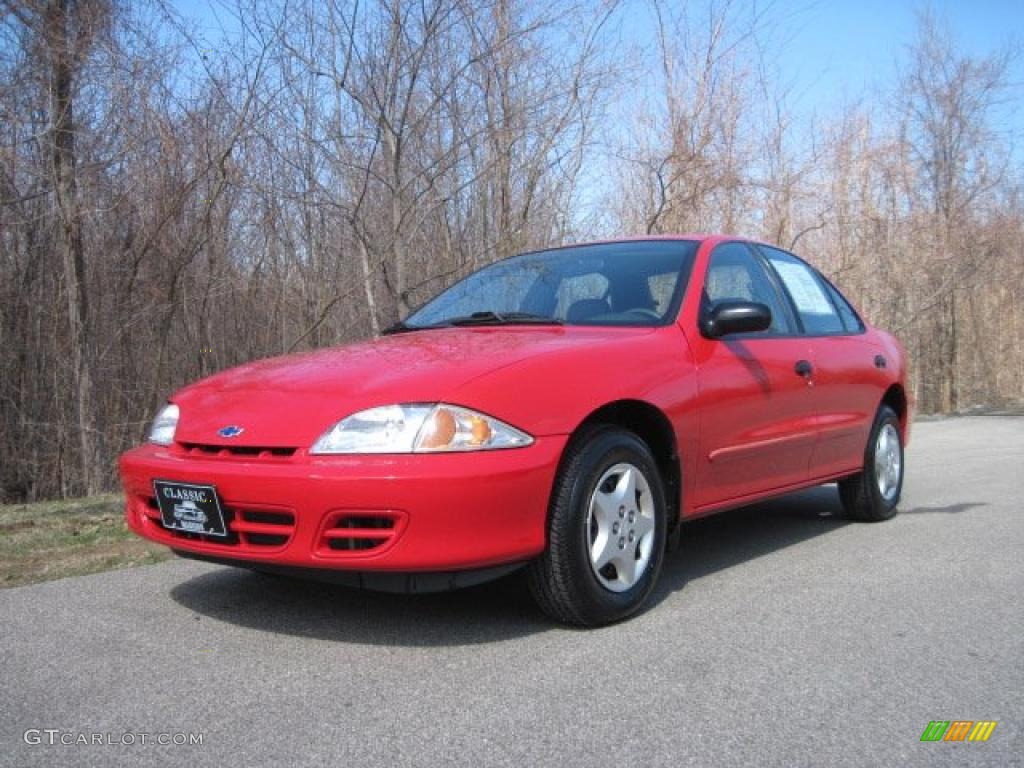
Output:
(393, 157)
(371, 302)
(69, 233)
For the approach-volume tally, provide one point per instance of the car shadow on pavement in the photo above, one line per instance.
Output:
(718, 542)
(490, 612)
(963, 506)
(498, 610)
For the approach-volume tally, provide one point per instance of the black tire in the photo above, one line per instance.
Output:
(562, 580)
(862, 499)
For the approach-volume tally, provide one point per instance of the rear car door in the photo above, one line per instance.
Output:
(847, 370)
(757, 422)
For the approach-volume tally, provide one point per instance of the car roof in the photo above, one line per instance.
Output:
(710, 237)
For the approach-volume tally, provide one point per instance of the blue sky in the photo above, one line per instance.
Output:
(838, 48)
(835, 51)
(844, 50)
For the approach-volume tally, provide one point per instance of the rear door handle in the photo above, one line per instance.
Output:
(803, 368)
(880, 361)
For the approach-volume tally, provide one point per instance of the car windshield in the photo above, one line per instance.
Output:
(626, 283)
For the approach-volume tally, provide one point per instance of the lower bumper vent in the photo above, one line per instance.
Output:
(358, 533)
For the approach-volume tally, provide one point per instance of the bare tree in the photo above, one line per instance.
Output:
(947, 101)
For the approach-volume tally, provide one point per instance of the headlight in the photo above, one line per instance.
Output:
(162, 431)
(415, 428)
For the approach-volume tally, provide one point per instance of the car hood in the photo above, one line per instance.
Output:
(292, 400)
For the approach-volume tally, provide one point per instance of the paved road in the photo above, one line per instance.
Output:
(781, 636)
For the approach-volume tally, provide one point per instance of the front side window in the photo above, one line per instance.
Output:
(628, 283)
(808, 291)
(735, 274)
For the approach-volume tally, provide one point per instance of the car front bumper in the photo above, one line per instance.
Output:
(371, 513)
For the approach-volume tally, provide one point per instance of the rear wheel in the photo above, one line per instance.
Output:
(606, 532)
(873, 494)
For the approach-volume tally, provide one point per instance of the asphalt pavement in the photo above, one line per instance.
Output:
(781, 635)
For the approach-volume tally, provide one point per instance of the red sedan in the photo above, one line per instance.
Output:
(562, 410)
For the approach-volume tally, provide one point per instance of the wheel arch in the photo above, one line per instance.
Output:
(650, 424)
(896, 398)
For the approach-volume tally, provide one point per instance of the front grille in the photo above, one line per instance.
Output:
(208, 450)
(249, 527)
(356, 533)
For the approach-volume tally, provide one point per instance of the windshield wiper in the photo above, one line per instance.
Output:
(399, 327)
(485, 317)
(488, 317)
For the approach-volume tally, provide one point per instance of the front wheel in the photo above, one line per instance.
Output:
(873, 494)
(606, 532)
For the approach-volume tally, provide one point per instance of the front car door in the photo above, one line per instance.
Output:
(757, 421)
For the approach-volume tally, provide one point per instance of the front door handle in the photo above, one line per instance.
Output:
(803, 368)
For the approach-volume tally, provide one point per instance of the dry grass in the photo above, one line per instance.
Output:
(53, 539)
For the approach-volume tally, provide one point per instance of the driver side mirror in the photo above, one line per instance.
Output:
(728, 317)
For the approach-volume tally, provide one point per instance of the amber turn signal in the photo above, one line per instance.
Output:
(439, 431)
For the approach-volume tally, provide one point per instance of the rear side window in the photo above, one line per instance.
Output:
(851, 320)
(808, 291)
(734, 272)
